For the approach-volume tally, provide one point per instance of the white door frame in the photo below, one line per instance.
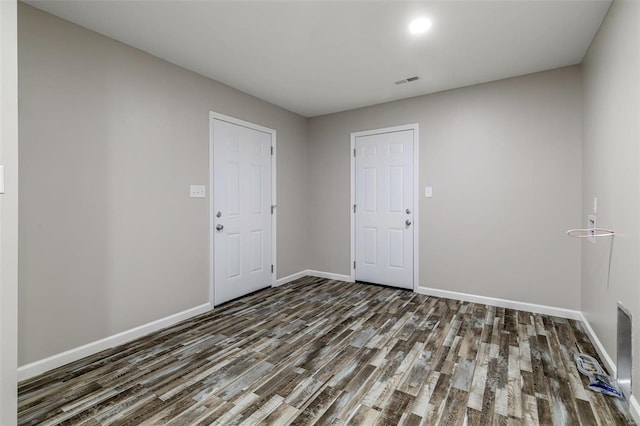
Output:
(9, 212)
(416, 216)
(217, 116)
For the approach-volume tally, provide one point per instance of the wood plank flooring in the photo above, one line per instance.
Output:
(317, 351)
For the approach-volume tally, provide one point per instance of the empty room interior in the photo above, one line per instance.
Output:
(320, 212)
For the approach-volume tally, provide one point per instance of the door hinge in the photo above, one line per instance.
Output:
(271, 150)
(273, 207)
(354, 208)
(354, 264)
(354, 152)
(272, 269)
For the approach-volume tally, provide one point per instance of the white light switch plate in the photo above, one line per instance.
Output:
(198, 191)
(428, 192)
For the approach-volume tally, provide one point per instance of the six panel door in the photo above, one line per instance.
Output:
(384, 208)
(241, 210)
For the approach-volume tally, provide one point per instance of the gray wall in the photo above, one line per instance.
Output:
(611, 172)
(110, 140)
(504, 162)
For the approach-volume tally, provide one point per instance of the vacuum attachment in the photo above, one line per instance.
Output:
(600, 381)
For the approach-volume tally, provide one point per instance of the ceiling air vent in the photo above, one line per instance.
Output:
(407, 80)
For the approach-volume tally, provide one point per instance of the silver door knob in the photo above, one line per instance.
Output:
(219, 214)
(219, 227)
(408, 211)
(407, 222)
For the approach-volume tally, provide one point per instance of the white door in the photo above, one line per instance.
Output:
(241, 210)
(384, 209)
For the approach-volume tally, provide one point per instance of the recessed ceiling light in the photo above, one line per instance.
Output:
(420, 25)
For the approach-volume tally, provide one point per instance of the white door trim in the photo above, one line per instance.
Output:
(217, 116)
(416, 216)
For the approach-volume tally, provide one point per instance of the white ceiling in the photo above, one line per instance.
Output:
(318, 57)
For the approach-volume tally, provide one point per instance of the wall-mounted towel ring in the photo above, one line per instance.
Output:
(593, 232)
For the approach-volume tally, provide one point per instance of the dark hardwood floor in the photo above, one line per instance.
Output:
(317, 351)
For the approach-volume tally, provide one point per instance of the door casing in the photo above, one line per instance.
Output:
(416, 209)
(217, 116)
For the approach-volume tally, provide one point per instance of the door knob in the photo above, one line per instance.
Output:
(219, 214)
(407, 222)
(408, 211)
(219, 227)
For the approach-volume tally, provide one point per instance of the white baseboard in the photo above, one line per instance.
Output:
(602, 352)
(292, 277)
(33, 369)
(502, 303)
(634, 409)
(329, 275)
(312, 273)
